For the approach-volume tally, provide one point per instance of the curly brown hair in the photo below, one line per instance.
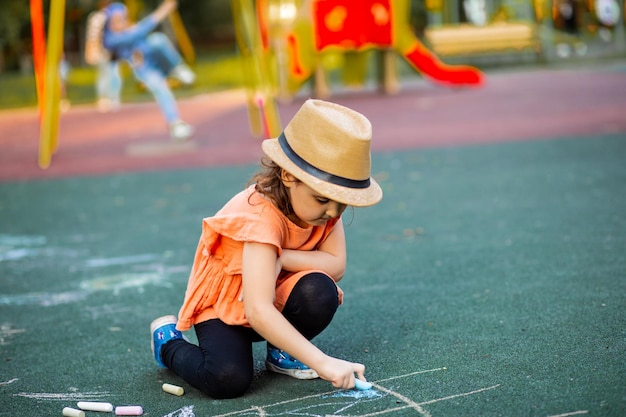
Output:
(268, 181)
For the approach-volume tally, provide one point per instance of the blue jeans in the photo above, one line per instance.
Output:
(109, 81)
(160, 58)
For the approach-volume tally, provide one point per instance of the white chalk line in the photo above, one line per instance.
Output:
(186, 411)
(7, 332)
(573, 413)
(69, 396)
(9, 381)
(22, 240)
(412, 374)
(262, 410)
(317, 395)
(122, 260)
(18, 254)
(410, 403)
(465, 394)
(44, 299)
(304, 410)
(417, 406)
(115, 283)
(263, 407)
(18, 247)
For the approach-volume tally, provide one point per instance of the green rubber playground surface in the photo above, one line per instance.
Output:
(491, 281)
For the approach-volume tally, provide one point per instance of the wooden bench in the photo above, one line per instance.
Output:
(496, 37)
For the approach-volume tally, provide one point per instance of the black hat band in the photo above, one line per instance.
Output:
(316, 172)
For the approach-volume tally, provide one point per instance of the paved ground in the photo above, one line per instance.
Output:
(533, 104)
(491, 280)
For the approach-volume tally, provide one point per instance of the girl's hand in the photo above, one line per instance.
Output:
(341, 373)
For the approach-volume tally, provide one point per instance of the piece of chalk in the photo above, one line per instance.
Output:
(173, 389)
(361, 385)
(95, 406)
(129, 410)
(72, 412)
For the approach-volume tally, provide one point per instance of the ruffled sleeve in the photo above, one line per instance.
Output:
(215, 280)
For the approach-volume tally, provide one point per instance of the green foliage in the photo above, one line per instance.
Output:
(14, 14)
(14, 31)
(215, 71)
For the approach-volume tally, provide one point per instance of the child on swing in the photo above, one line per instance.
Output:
(152, 57)
(268, 263)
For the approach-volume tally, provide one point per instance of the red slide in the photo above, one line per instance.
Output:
(427, 63)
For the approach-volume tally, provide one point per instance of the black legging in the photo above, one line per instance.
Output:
(222, 365)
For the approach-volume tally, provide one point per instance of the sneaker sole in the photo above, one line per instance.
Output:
(182, 138)
(294, 373)
(156, 323)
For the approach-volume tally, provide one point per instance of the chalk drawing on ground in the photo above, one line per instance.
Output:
(144, 270)
(573, 413)
(7, 331)
(10, 381)
(186, 411)
(114, 283)
(381, 400)
(64, 396)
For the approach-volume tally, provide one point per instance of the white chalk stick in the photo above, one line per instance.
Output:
(173, 389)
(95, 406)
(72, 412)
(130, 410)
(361, 385)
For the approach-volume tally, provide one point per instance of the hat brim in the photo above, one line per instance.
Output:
(357, 197)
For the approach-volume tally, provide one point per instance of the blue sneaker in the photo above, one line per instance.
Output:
(163, 330)
(281, 362)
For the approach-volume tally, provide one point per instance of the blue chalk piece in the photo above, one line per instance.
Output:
(362, 385)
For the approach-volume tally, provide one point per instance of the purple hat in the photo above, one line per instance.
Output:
(113, 8)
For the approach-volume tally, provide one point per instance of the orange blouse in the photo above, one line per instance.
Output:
(215, 282)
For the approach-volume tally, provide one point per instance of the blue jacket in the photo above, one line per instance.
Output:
(122, 44)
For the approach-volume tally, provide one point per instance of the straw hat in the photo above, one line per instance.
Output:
(327, 147)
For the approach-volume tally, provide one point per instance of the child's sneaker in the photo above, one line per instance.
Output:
(184, 74)
(163, 330)
(281, 362)
(180, 131)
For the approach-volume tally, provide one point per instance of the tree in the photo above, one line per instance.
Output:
(14, 27)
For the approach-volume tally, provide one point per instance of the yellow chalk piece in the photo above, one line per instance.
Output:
(72, 412)
(173, 389)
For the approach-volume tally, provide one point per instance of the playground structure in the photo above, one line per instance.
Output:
(284, 43)
(47, 54)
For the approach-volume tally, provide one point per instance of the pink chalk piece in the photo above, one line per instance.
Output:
(129, 410)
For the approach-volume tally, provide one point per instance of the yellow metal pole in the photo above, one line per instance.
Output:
(262, 109)
(182, 38)
(52, 86)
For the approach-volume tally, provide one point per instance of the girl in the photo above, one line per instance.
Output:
(268, 263)
(152, 57)
(108, 77)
